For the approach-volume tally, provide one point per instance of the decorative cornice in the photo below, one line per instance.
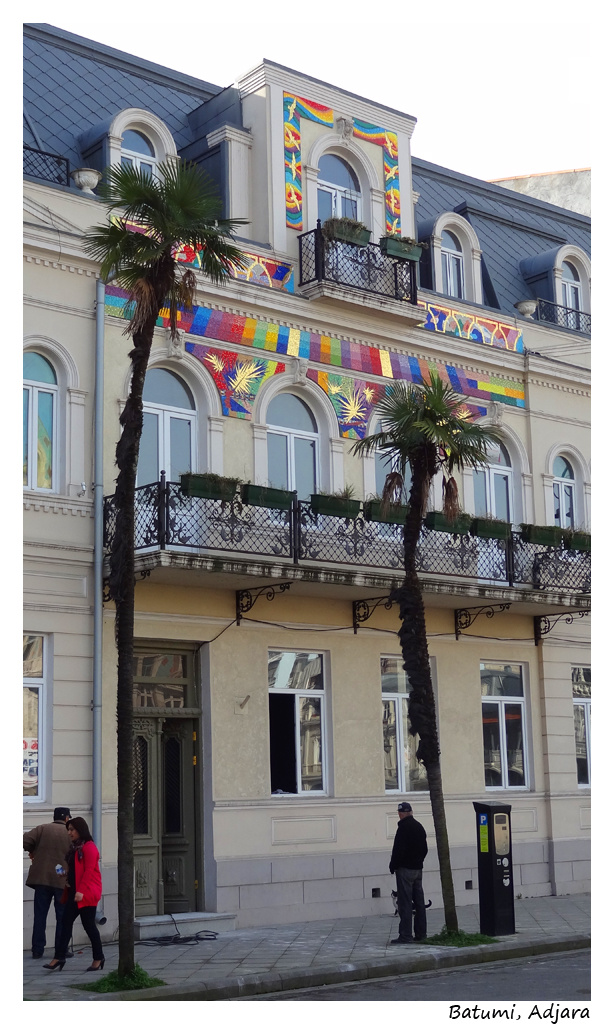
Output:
(59, 506)
(56, 264)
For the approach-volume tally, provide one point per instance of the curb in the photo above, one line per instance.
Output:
(242, 986)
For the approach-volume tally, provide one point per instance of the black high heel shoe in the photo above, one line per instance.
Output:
(58, 965)
(99, 968)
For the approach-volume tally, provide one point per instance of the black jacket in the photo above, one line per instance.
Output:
(409, 848)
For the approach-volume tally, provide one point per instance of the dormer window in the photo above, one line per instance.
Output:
(571, 290)
(452, 265)
(338, 189)
(138, 152)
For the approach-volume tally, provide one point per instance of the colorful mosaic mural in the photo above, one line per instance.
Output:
(238, 378)
(296, 107)
(389, 143)
(279, 340)
(352, 400)
(473, 328)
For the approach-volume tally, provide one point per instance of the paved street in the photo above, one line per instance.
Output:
(555, 977)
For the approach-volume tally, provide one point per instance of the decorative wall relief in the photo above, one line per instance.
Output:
(296, 107)
(238, 378)
(389, 144)
(474, 328)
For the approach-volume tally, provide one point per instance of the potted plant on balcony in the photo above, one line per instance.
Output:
(439, 521)
(375, 511)
(340, 504)
(576, 540)
(548, 536)
(401, 247)
(266, 497)
(209, 485)
(490, 528)
(344, 229)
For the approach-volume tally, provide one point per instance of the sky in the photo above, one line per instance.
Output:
(488, 83)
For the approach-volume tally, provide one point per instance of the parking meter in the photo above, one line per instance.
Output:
(495, 876)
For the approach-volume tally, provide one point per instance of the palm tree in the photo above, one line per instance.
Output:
(425, 429)
(151, 218)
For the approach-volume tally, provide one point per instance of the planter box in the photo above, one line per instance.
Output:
(398, 250)
(373, 513)
(331, 505)
(266, 497)
(200, 486)
(577, 541)
(438, 521)
(360, 237)
(491, 529)
(548, 536)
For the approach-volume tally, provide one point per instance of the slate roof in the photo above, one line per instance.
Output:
(510, 227)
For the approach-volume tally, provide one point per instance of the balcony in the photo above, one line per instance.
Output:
(360, 274)
(46, 166)
(562, 316)
(168, 520)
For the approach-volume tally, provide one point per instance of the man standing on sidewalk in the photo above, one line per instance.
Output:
(408, 853)
(47, 846)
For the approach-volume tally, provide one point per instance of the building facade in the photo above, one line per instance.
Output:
(271, 743)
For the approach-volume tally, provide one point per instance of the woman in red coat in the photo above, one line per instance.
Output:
(82, 892)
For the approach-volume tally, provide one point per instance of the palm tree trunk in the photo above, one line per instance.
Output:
(422, 709)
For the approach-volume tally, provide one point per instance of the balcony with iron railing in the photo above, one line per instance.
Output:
(562, 316)
(46, 166)
(169, 520)
(333, 267)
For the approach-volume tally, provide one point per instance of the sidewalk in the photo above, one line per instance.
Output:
(275, 958)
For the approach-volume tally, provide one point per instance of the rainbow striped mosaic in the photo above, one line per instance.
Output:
(474, 328)
(389, 143)
(277, 339)
(296, 107)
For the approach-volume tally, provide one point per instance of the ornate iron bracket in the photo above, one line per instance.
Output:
(542, 624)
(246, 599)
(363, 610)
(106, 595)
(465, 617)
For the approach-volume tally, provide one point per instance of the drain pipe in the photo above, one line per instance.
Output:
(98, 560)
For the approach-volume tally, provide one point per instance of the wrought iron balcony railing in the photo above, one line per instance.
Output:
(563, 316)
(47, 166)
(167, 519)
(364, 267)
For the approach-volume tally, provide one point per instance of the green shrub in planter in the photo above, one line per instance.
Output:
(335, 505)
(400, 248)
(439, 521)
(576, 540)
(344, 229)
(209, 485)
(494, 529)
(373, 512)
(266, 497)
(548, 536)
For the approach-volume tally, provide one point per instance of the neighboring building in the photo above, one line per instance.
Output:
(270, 739)
(569, 189)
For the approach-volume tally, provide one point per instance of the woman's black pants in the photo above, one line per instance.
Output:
(88, 920)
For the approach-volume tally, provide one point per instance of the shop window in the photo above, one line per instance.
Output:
(296, 722)
(35, 673)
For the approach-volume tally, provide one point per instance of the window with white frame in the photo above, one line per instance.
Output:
(571, 291)
(296, 722)
(40, 396)
(338, 189)
(34, 681)
(581, 692)
(452, 266)
(168, 441)
(503, 725)
(563, 489)
(403, 773)
(292, 446)
(492, 485)
(138, 152)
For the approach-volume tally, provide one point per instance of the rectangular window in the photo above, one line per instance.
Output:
(503, 725)
(581, 691)
(296, 726)
(402, 772)
(34, 670)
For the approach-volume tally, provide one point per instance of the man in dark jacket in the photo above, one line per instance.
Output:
(408, 853)
(47, 846)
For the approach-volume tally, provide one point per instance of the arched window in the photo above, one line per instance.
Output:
(564, 493)
(292, 443)
(338, 189)
(40, 395)
(138, 152)
(572, 292)
(492, 485)
(452, 265)
(168, 441)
